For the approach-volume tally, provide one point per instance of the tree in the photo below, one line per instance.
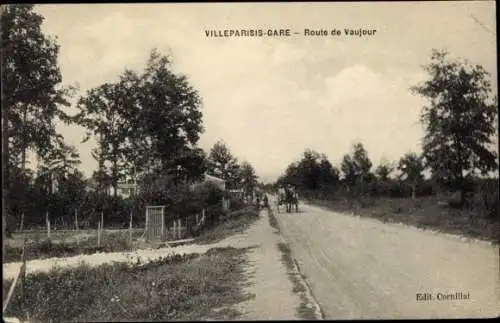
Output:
(349, 171)
(169, 113)
(384, 170)
(329, 175)
(411, 167)
(356, 169)
(31, 91)
(460, 120)
(221, 163)
(144, 123)
(99, 113)
(248, 177)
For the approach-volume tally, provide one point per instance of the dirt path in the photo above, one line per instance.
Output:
(363, 269)
(269, 282)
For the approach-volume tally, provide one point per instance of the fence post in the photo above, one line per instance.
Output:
(162, 226)
(47, 221)
(179, 228)
(23, 276)
(98, 234)
(76, 219)
(102, 220)
(175, 228)
(21, 225)
(130, 227)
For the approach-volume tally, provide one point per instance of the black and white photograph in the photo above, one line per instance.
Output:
(249, 161)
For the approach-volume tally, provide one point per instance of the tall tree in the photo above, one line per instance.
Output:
(146, 122)
(31, 91)
(411, 167)
(31, 82)
(384, 170)
(248, 177)
(356, 168)
(170, 112)
(329, 175)
(223, 164)
(460, 120)
(100, 113)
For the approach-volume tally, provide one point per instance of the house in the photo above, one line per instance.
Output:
(126, 190)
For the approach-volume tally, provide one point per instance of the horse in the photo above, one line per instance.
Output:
(291, 199)
(281, 198)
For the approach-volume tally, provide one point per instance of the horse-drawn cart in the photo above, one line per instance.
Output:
(287, 196)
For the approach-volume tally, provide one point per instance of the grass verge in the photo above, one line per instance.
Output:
(233, 223)
(424, 212)
(189, 287)
(306, 309)
(67, 246)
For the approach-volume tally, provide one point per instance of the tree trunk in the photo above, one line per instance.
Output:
(413, 191)
(115, 179)
(23, 152)
(5, 163)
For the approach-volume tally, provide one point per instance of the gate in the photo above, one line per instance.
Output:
(155, 222)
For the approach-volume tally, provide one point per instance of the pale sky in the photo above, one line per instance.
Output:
(271, 98)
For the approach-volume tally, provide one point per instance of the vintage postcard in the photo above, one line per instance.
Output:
(250, 161)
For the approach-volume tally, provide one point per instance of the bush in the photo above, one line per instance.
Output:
(236, 204)
(484, 198)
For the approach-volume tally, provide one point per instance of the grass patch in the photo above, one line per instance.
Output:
(67, 245)
(189, 287)
(305, 309)
(424, 212)
(233, 223)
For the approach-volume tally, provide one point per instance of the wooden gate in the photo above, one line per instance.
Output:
(155, 222)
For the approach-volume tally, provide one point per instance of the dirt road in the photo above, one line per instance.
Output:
(361, 268)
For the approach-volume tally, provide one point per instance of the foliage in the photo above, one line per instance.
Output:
(314, 171)
(222, 164)
(460, 120)
(248, 177)
(145, 122)
(411, 167)
(384, 170)
(356, 169)
(31, 83)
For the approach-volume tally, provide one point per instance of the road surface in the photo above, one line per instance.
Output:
(360, 268)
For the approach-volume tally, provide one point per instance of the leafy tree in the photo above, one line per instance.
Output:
(329, 175)
(99, 113)
(356, 169)
(248, 177)
(145, 123)
(31, 91)
(169, 112)
(349, 171)
(384, 170)
(32, 94)
(459, 120)
(411, 167)
(223, 164)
